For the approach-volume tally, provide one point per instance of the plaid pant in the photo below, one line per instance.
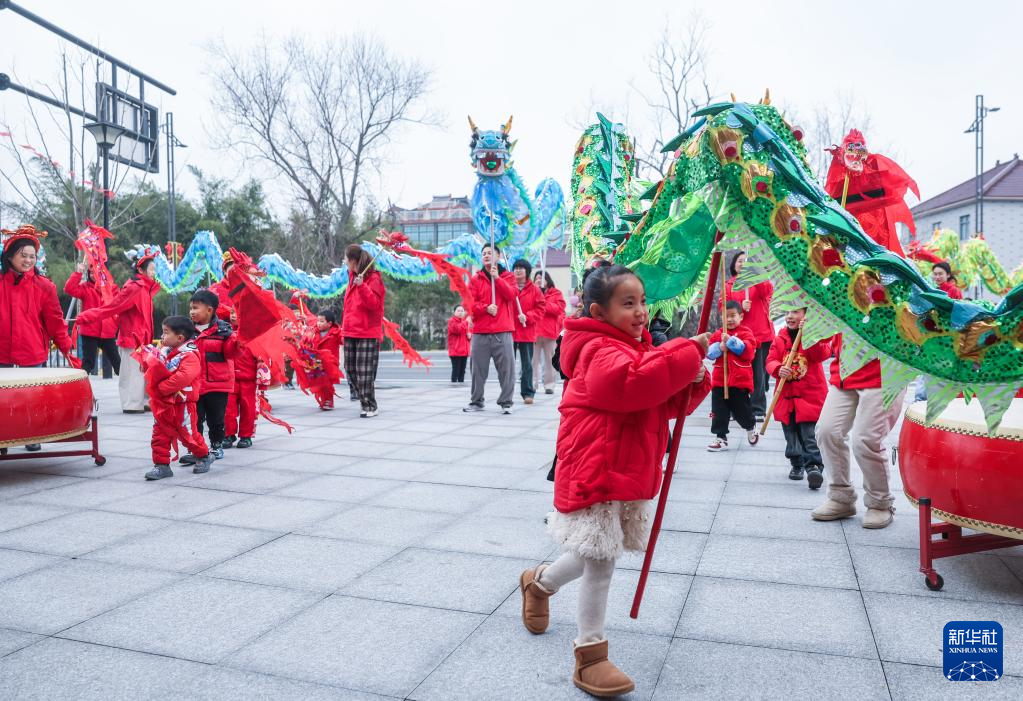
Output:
(362, 355)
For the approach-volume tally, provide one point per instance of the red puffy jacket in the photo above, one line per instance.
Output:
(218, 345)
(30, 317)
(553, 314)
(533, 303)
(364, 308)
(507, 312)
(951, 289)
(805, 391)
(615, 412)
(222, 291)
(867, 377)
(740, 366)
(758, 318)
(90, 296)
(244, 364)
(134, 308)
(174, 378)
(329, 344)
(458, 337)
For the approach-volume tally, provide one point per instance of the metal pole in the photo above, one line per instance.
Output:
(978, 213)
(106, 189)
(172, 223)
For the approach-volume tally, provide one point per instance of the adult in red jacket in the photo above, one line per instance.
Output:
(97, 334)
(494, 315)
(362, 326)
(738, 350)
(945, 281)
(459, 333)
(547, 331)
(531, 304)
(756, 310)
(133, 306)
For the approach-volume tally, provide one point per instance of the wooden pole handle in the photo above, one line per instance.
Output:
(781, 383)
(724, 304)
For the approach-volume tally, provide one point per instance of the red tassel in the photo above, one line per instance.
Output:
(265, 410)
(409, 354)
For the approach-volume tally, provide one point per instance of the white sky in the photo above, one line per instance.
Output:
(915, 67)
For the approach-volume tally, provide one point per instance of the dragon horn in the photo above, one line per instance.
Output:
(507, 127)
(472, 125)
(733, 97)
(767, 97)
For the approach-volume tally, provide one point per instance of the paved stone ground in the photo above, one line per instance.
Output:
(366, 559)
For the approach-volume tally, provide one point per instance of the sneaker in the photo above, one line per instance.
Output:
(758, 418)
(814, 477)
(506, 409)
(718, 445)
(796, 473)
(33, 447)
(217, 452)
(289, 385)
(244, 442)
(548, 391)
(878, 518)
(369, 414)
(472, 407)
(832, 510)
(527, 400)
(187, 459)
(159, 472)
(228, 442)
(203, 465)
(752, 436)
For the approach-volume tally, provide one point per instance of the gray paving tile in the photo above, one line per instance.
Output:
(284, 444)
(788, 495)
(774, 522)
(387, 469)
(689, 516)
(77, 533)
(49, 600)
(473, 476)
(177, 503)
(460, 440)
(699, 490)
(373, 646)
(499, 457)
(244, 478)
(198, 619)
(14, 563)
(778, 560)
(75, 467)
(301, 562)
(87, 493)
(445, 498)
(15, 515)
(13, 640)
(356, 448)
(763, 614)
(491, 535)
(693, 670)
(273, 513)
(377, 524)
(501, 660)
(344, 488)
(904, 531)
(918, 683)
(318, 463)
(677, 552)
(16, 484)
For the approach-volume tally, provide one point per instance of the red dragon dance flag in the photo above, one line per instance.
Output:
(91, 242)
(261, 317)
(409, 354)
(457, 277)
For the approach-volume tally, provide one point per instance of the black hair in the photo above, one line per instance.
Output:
(600, 281)
(181, 325)
(204, 296)
(735, 306)
(731, 264)
(546, 278)
(946, 267)
(525, 265)
(12, 250)
(455, 308)
(494, 247)
(330, 315)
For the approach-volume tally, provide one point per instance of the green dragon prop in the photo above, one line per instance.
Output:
(972, 261)
(741, 170)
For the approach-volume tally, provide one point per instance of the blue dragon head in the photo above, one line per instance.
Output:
(491, 150)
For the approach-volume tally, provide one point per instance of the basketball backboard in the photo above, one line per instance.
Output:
(138, 146)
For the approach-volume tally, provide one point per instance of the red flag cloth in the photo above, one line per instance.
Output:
(265, 410)
(409, 354)
(260, 315)
(91, 242)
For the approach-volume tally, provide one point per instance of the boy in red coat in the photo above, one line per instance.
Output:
(459, 333)
(172, 376)
(529, 312)
(99, 334)
(240, 415)
(218, 347)
(802, 397)
(736, 343)
(327, 341)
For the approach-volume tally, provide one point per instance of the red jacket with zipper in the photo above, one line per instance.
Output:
(30, 317)
(218, 346)
(740, 365)
(867, 377)
(758, 318)
(91, 298)
(458, 337)
(533, 304)
(804, 392)
(364, 308)
(615, 410)
(173, 382)
(134, 308)
(506, 291)
(553, 314)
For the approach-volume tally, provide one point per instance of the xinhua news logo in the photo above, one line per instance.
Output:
(973, 651)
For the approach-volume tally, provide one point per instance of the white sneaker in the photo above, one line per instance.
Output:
(370, 414)
(718, 445)
(506, 410)
(752, 436)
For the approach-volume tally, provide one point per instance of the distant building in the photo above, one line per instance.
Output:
(436, 222)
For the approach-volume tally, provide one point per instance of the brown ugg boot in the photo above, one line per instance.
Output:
(535, 609)
(596, 675)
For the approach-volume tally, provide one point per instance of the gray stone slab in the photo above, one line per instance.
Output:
(698, 490)
(440, 579)
(473, 476)
(49, 600)
(13, 640)
(778, 560)
(501, 660)
(789, 495)
(16, 484)
(445, 498)
(317, 463)
(491, 535)
(88, 493)
(918, 683)
(693, 670)
(460, 440)
(373, 646)
(357, 449)
(763, 614)
(536, 481)
(904, 531)
(183, 547)
(499, 457)
(200, 619)
(283, 444)
(244, 478)
(344, 488)
(274, 513)
(514, 503)
(16, 515)
(75, 467)
(689, 516)
(377, 524)
(909, 628)
(387, 469)
(78, 533)
(178, 503)
(302, 562)
(14, 563)
(676, 553)
(774, 522)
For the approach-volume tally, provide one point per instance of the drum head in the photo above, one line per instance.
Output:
(33, 377)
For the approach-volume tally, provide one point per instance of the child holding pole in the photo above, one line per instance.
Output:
(732, 349)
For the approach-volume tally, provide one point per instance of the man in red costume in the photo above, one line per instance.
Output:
(876, 189)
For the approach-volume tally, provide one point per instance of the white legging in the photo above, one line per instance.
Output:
(596, 581)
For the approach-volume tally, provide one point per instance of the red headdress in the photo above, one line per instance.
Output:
(25, 232)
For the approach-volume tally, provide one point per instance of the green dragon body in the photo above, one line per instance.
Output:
(741, 170)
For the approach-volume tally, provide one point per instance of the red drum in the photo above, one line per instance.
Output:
(38, 405)
(973, 480)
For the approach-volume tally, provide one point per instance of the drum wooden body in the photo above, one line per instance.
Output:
(973, 480)
(38, 405)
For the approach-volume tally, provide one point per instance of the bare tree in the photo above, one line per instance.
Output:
(321, 116)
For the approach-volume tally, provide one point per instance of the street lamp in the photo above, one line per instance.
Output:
(173, 142)
(977, 128)
(106, 135)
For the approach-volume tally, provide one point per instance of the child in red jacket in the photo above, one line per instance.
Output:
(240, 416)
(217, 346)
(172, 376)
(328, 340)
(614, 426)
(736, 343)
(459, 333)
(802, 397)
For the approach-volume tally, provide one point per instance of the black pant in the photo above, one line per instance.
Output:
(90, 344)
(760, 380)
(737, 406)
(458, 363)
(210, 410)
(525, 351)
(801, 443)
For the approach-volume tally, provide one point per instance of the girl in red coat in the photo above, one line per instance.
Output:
(945, 281)
(459, 333)
(547, 332)
(802, 398)
(614, 426)
(529, 310)
(736, 343)
(756, 310)
(362, 326)
(172, 379)
(328, 340)
(98, 334)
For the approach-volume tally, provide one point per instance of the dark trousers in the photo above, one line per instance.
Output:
(210, 410)
(760, 380)
(458, 363)
(801, 443)
(525, 353)
(90, 344)
(737, 407)
(362, 357)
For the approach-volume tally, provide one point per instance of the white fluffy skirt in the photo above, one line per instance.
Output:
(605, 530)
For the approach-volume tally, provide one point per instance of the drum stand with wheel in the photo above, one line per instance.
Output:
(90, 436)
